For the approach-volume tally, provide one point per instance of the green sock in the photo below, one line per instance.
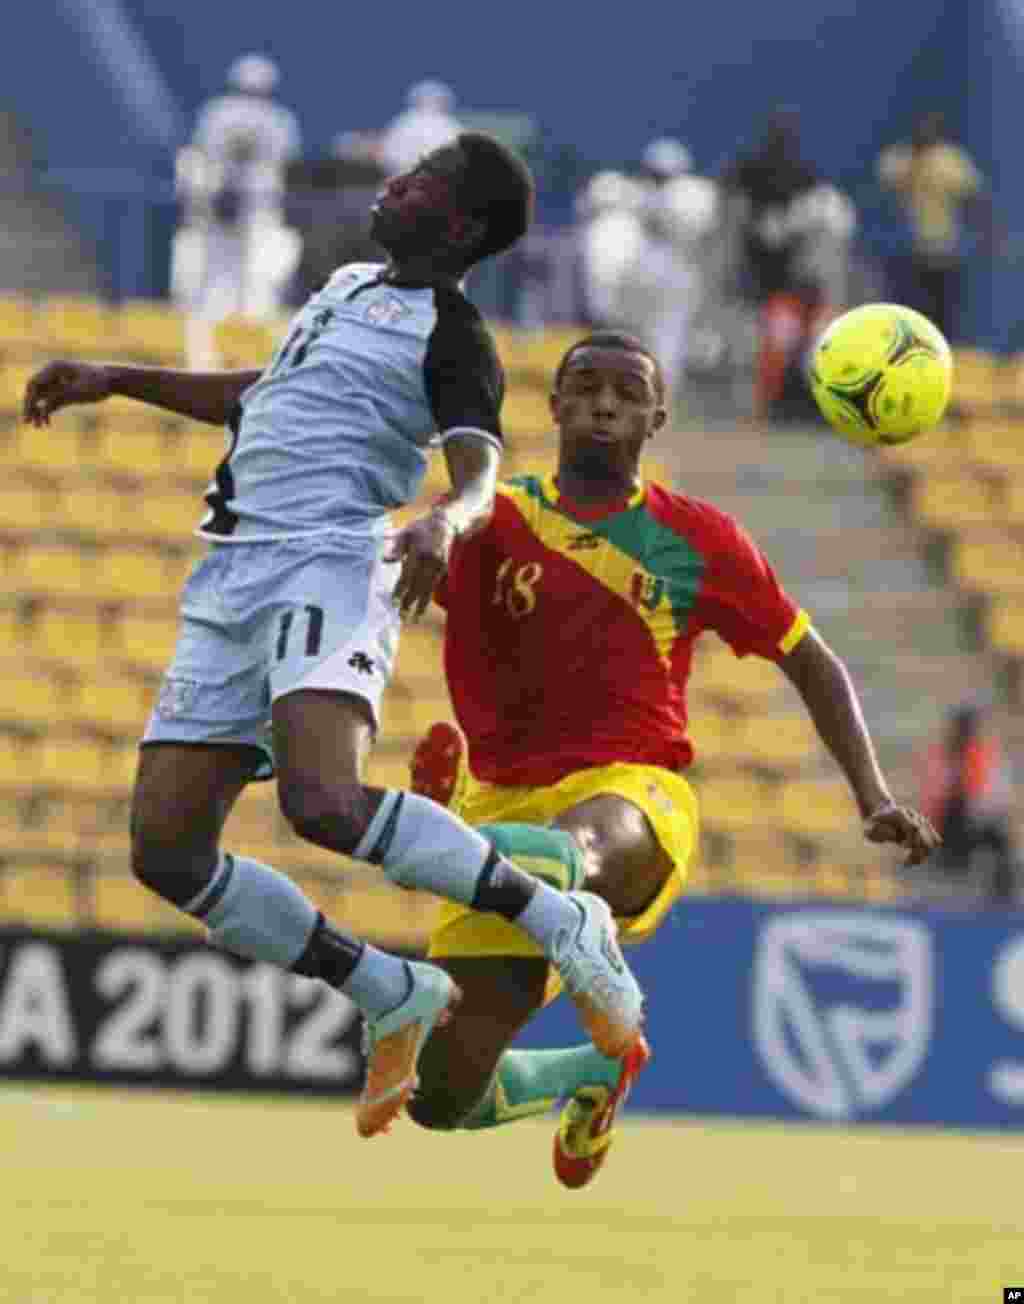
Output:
(529, 1082)
(551, 855)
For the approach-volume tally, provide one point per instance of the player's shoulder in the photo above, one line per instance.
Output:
(693, 518)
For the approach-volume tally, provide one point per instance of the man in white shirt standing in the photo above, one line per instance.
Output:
(428, 122)
(234, 253)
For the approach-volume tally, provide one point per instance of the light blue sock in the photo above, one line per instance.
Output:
(252, 910)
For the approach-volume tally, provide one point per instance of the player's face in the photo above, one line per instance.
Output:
(416, 210)
(607, 398)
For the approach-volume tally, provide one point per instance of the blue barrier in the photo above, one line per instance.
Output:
(842, 1014)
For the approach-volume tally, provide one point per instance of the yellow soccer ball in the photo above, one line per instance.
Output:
(881, 374)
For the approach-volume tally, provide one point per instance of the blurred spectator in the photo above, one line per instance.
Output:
(793, 231)
(938, 184)
(427, 122)
(610, 232)
(667, 286)
(966, 792)
(233, 252)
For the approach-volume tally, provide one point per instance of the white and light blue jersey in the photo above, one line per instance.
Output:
(372, 373)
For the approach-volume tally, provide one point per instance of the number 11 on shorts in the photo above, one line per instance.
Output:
(314, 631)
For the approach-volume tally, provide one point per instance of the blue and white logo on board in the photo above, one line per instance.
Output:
(842, 1008)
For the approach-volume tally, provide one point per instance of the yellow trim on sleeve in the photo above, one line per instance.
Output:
(797, 630)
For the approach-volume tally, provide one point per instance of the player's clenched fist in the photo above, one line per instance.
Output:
(60, 384)
(904, 826)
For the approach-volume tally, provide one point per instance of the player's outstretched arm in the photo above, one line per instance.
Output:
(831, 699)
(204, 396)
(424, 546)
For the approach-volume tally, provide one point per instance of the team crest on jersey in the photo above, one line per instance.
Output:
(386, 311)
(646, 590)
(176, 697)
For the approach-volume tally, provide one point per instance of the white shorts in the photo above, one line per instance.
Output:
(259, 620)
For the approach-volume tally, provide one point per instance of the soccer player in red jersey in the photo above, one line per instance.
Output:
(571, 621)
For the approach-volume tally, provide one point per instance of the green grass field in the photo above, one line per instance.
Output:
(148, 1198)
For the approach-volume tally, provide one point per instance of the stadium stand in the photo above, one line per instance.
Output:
(97, 513)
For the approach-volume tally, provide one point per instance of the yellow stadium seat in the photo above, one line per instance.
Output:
(19, 330)
(201, 451)
(388, 768)
(144, 640)
(14, 633)
(64, 763)
(94, 507)
(110, 705)
(951, 502)
(526, 414)
(17, 762)
(993, 564)
(25, 506)
(716, 739)
(999, 444)
(750, 681)
(784, 742)
(41, 894)
(1013, 502)
(31, 700)
(243, 343)
(147, 453)
(51, 570)
(13, 379)
(121, 903)
(66, 636)
(1006, 626)
(55, 449)
(121, 762)
(975, 378)
(125, 573)
(817, 807)
(170, 514)
(151, 329)
(76, 325)
(737, 802)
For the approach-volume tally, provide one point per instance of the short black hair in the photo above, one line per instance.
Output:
(613, 340)
(496, 185)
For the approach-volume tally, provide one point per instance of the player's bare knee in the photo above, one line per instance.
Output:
(171, 867)
(334, 816)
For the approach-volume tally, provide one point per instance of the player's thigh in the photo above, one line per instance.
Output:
(629, 864)
(330, 651)
(500, 994)
(184, 792)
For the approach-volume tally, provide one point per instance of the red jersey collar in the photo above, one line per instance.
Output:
(584, 512)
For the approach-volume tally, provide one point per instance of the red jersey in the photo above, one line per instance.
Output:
(570, 631)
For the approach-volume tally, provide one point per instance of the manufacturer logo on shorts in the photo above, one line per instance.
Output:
(386, 311)
(361, 662)
(176, 697)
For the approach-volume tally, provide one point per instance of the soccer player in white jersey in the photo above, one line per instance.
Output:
(291, 619)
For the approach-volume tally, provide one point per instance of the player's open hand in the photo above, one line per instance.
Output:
(59, 384)
(904, 826)
(423, 548)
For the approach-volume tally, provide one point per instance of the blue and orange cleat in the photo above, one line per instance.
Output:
(439, 768)
(392, 1043)
(585, 1128)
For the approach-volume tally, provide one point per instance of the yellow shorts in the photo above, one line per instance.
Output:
(665, 798)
